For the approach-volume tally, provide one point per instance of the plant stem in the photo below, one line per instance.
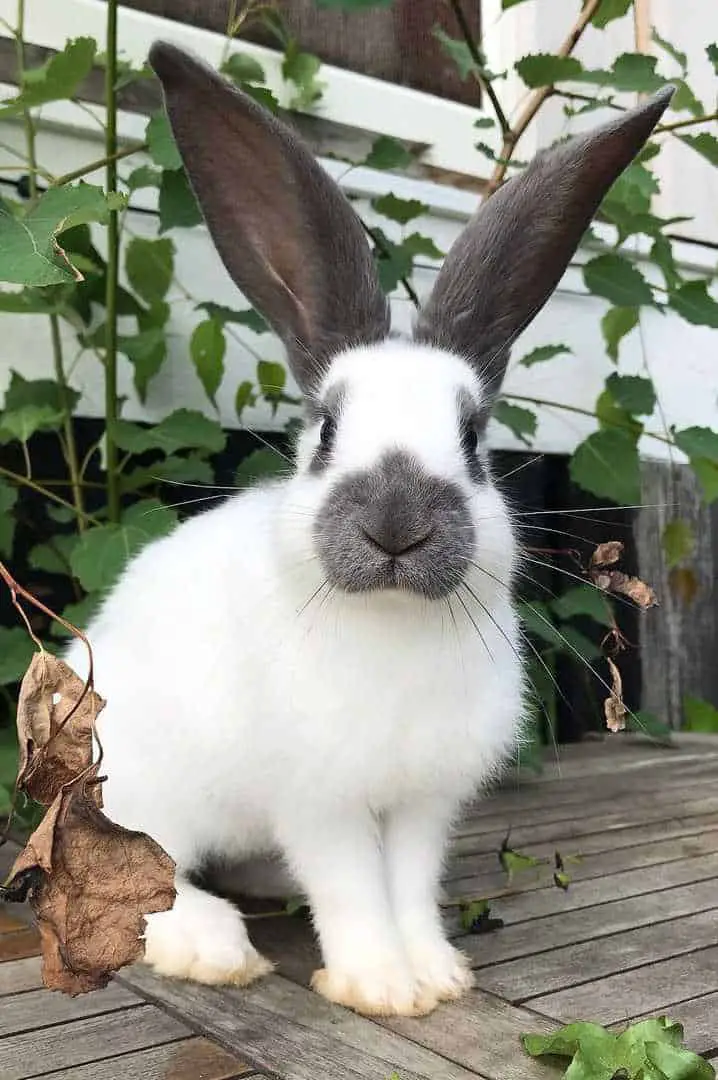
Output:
(379, 242)
(26, 481)
(113, 257)
(581, 412)
(27, 116)
(571, 95)
(687, 123)
(537, 99)
(102, 162)
(476, 56)
(68, 428)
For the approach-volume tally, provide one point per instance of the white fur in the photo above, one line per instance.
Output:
(344, 735)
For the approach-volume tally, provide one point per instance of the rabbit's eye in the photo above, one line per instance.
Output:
(470, 440)
(328, 431)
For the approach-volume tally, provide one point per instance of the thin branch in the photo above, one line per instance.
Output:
(545, 403)
(68, 428)
(379, 241)
(571, 95)
(687, 123)
(537, 99)
(26, 481)
(26, 114)
(101, 163)
(476, 56)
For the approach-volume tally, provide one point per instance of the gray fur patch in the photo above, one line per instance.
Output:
(395, 527)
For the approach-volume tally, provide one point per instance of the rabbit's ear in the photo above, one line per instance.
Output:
(512, 255)
(283, 228)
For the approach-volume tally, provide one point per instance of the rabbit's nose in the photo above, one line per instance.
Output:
(389, 536)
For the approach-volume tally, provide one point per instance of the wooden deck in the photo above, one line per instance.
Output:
(636, 933)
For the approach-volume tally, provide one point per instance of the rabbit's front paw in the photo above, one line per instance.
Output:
(202, 939)
(375, 993)
(442, 970)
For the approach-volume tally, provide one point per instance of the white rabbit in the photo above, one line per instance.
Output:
(324, 668)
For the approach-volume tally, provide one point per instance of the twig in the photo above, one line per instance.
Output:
(26, 115)
(687, 123)
(483, 82)
(571, 95)
(113, 258)
(537, 99)
(26, 481)
(68, 428)
(103, 162)
(581, 412)
(379, 241)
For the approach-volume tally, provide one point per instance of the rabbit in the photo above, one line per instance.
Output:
(324, 669)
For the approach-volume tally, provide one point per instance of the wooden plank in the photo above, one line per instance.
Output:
(481, 1032)
(655, 988)
(20, 944)
(519, 907)
(190, 1059)
(290, 1030)
(9, 923)
(17, 976)
(530, 805)
(532, 976)
(613, 861)
(83, 1041)
(40, 1008)
(577, 827)
(700, 1023)
(571, 928)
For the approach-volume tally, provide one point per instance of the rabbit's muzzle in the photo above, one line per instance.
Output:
(394, 526)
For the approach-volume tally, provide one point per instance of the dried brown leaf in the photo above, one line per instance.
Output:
(683, 584)
(607, 554)
(632, 587)
(613, 708)
(98, 881)
(54, 750)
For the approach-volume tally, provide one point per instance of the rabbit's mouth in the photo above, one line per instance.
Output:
(395, 527)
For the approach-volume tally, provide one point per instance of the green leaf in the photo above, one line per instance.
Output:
(161, 142)
(607, 465)
(698, 442)
(8, 498)
(353, 5)
(241, 69)
(396, 209)
(260, 465)
(416, 245)
(712, 54)
(28, 302)
(387, 153)
(188, 429)
(57, 79)
(178, 206)
(583, 601)
(617, 280)
(29, 250)
(506, 4)
(632, 393)
(678, 542)
(79, 614)
(609, 10)
(543, 352)
(16, 649)
(694, 303)
(543, 69)
(699, 715)
(144, 176)
(54, 557)
(676, 54)
(684, 98)
(39, 392)
(207, 348)
(704, 144)
(615, 324)
(457, 50)
(102, 553)
(302, 69)
(21, 424)
(245, 396)
(677, 1063)
(149, 265)
(648, 724)
(636, 72)
(249, 317)
(188, 470)
(662, 255)
(521, 422)
(146, 352)
(707, 473)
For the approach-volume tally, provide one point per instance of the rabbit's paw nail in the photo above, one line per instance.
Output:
(376, 994)
(444, 972)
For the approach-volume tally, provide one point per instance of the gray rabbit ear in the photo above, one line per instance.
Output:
(512, 255)
(283, 228)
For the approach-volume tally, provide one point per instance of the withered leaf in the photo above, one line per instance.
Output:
(613, 708)
(683, 584)
(97, 883)
(54, 750)
(632, 587)
(607, 554)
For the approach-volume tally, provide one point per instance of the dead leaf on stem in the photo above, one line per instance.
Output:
(55, 724)
(614, 581)
(90, 883)
(613, 707)
(607, 554)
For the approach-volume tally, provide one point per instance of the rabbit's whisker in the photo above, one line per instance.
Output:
(525, 465)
